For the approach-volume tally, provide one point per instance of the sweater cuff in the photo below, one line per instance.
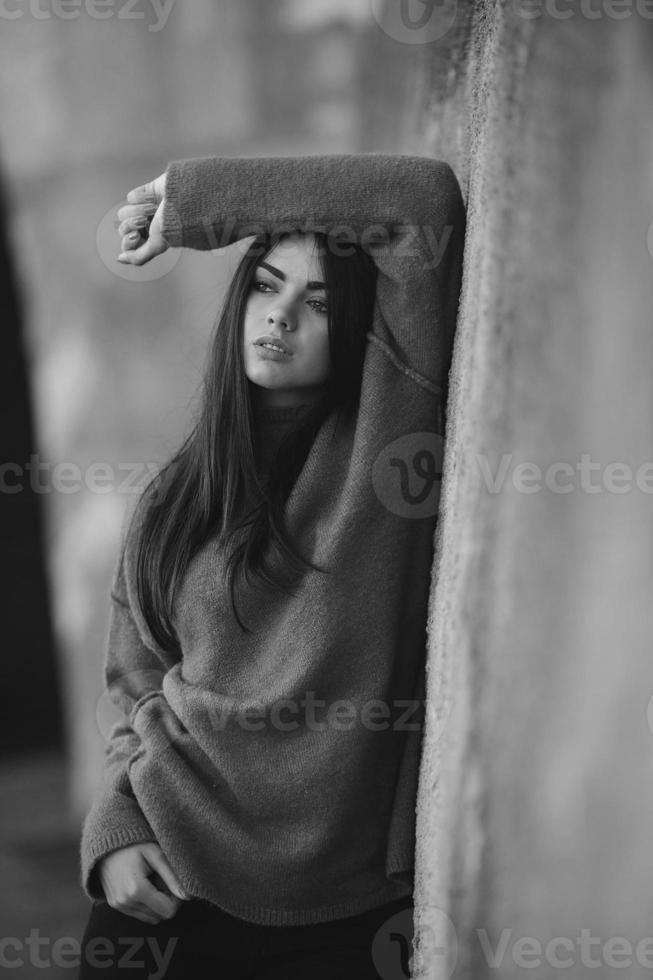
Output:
(114, 822)
(172, 229)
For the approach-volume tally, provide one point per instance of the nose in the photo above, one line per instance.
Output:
(282, 318)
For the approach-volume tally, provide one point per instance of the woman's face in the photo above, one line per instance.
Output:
(287, 309)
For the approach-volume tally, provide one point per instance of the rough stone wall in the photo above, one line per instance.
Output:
(535, 790)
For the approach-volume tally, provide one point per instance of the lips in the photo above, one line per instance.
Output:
(272, 343)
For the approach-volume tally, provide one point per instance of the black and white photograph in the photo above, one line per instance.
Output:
(326, 491)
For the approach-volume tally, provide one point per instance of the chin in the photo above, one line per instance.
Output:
(262, 379)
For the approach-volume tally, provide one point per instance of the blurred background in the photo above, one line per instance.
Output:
(536, 796)
(101, 363)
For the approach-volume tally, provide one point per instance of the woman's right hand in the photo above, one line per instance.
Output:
(142, 217)
(124, 875)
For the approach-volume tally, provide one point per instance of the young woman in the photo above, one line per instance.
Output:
(269, 605)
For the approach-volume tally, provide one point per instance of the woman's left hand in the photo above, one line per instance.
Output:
(145, 207)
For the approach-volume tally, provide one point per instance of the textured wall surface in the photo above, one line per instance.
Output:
(534, 808)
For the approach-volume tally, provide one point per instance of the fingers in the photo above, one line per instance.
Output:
(157, 902)
(136, 222)
(147, 192)
(133, 239)
(141, 223)
(129, 898)
(153, 191)
(124, 875)
(133, 224)
(132, 255)
(139, 898)
(157, 860)
(140, 912)
(135, 218)
(128, 211)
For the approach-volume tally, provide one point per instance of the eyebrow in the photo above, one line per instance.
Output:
(313, 284)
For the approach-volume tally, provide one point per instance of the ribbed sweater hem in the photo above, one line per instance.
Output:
(251, 913)
(298, 917)
(256, 914)
(121, 838)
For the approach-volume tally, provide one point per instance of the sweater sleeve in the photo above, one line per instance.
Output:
(131, 672)
(406, 210)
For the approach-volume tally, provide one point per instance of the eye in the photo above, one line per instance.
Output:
(318, 305)
(262, 287)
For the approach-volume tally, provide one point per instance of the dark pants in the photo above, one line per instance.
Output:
(201, 941)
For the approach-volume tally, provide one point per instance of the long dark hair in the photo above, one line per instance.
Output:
(211, 484)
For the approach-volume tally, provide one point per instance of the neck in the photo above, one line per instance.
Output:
(270, 398)
(278, 413)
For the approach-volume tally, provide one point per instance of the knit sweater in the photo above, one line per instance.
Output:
(278, 769)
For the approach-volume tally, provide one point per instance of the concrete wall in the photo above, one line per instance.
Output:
(536, 791)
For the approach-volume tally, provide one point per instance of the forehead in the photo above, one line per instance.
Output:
(297, 256)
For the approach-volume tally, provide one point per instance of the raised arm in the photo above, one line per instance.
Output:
(214, 201)
(407, 210)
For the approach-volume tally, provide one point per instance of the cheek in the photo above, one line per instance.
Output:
(321, 355)
(249, 332)
(249, 318)
(252, 323)
(256, 307)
